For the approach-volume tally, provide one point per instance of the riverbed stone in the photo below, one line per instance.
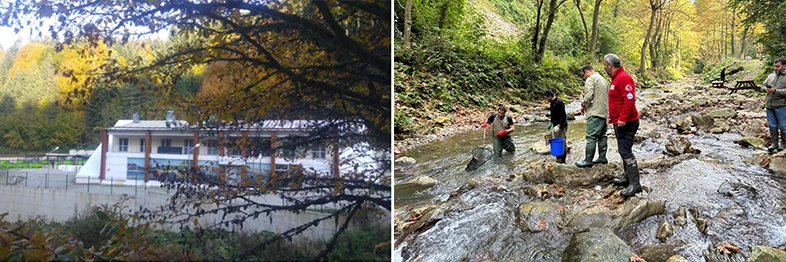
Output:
(516, 108)
(722, 113)
(633, 210)
(722, 124)
(778, 165)
(541, 148)
(423, 181)
(716, 130)
(665, 230)
(442, 120)
(703, 122)
(540, 216)
(680, 217)
(596, 244)
(677, 258)
(748, 141)
(571, 116)
(766, 254)
(405, 161)
(677, 146)
(658, 252)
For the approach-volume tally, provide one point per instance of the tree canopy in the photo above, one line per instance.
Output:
(237, 62)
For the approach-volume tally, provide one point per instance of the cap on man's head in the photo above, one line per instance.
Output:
(548, 93)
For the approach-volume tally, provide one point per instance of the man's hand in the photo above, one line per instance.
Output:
(608, 121)
(620, 124)
(502, 133)
(770, 90)
(583, 110)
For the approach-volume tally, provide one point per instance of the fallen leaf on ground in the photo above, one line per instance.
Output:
(728, 248)
(636, 258)
(541, 225)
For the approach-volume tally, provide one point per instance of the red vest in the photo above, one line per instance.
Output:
(622, 98)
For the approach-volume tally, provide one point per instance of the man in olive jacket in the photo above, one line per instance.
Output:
(595, 107)
(775, 103)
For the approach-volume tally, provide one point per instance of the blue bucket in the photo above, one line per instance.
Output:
(557, 146)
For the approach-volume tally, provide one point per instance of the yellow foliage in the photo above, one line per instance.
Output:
(29, 54)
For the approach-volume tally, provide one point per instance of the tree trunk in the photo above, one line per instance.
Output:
(553, 6)
(655, 41)
(594, 37)
(733, 15)
(442, 15)
(535, 35)
(744, 41)
(654, 6)
(679, 54)
(583, 22)
(408, 25)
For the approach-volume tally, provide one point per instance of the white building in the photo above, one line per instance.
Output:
(151, 150)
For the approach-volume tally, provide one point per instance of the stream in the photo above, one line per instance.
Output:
(742, 203)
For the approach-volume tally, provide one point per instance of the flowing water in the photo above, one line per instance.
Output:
(742, 203)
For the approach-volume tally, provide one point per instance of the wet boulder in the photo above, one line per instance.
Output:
(681, 125)
(571, 175)
(416, 219)
(442, 120)
(778, 164)
(631, 211)
(665, 230)
(716, 130)
(421, 181)
(768, 254)
(541, 148)
(703, 122)
(405, 161)
(680, 217)
(596, 244)
(749, 141)
(722, 125)
(677, 258)
(722, 113)
(678, 146)
(516, 108)
(658, 252)
(540, 216)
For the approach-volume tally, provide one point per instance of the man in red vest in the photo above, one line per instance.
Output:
(625, 119)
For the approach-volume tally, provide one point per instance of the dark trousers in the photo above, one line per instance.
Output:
(625, 136)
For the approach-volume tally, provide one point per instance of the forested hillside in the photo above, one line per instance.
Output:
(43, 105)
(480, 53)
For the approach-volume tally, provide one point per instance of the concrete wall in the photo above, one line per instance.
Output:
(23, 203)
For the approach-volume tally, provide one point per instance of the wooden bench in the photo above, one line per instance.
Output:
(718, 84)
(743, 85)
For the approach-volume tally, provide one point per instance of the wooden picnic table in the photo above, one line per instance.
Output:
(744, 84)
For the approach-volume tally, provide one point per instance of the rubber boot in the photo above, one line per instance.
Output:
(783, 142)
(632, 172)
(775, 140)
(589, 153)
(623, 181)
(602, 146)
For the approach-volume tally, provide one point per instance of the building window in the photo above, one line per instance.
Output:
(142, 145)
(123, 145)
(166, 142)
(188, 146)
(212, 147)
(318, 152)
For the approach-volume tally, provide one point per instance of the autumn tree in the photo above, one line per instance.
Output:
(315, 60)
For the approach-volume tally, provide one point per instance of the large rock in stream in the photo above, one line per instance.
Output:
(632, 211)
(767, 254)
(596, 244)
(421, 181)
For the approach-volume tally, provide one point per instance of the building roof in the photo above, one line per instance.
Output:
(267, 125)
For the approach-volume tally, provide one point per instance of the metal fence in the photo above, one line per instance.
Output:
(49, 178)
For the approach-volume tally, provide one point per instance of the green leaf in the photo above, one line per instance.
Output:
(101, 215)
